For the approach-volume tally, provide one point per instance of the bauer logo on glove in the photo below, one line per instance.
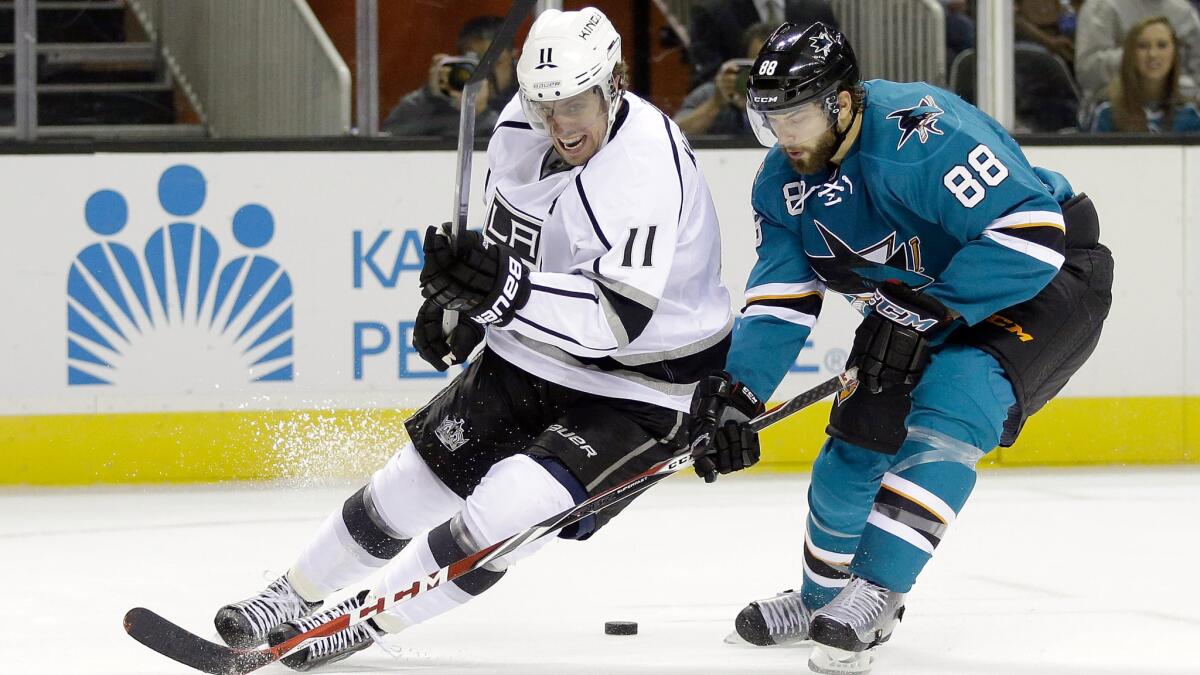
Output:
(502, 309)
(484, 280)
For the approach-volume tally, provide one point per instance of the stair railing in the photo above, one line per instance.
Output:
(253, 69)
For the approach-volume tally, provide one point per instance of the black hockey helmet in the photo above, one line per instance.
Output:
(799, 70)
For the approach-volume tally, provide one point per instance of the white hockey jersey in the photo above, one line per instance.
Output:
(627, 300)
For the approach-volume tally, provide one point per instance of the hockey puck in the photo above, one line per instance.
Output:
(620, 628)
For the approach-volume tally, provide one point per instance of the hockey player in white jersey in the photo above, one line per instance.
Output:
(595, 288)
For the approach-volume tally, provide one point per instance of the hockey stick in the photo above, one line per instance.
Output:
(187, 648)
(466, 132)
(802, 401)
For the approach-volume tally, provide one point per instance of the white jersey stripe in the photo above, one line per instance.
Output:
(789, 315)
(1051, 218)
(1047, 255)
(921, 496)
(902, 531)
(823, 581)
(775, 290)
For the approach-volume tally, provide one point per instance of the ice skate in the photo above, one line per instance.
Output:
(327, 649)
(848, 629)
(778, 620)
(245, 624)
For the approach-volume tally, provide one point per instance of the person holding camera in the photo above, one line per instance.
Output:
(433, 110)
(718, 107)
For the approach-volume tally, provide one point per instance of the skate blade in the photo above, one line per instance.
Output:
(831, 661)
(734, 639)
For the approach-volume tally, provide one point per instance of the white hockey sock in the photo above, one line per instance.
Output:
(402, 498)
(516, 493)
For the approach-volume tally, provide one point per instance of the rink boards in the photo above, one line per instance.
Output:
(252, 313)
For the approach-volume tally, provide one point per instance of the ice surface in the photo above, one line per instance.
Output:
(1054, 571)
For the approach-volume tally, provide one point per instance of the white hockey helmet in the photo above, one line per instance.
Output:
(568, 53)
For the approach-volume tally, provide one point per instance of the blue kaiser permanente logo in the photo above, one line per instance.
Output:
(182, 314)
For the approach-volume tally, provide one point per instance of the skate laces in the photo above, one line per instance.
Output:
(274, 605)
(344, 639)
(860, 604)
(785, 615)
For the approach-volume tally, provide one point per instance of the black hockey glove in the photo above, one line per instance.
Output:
(431, 341)
(717, 432)
(485, 281)
(891, 345)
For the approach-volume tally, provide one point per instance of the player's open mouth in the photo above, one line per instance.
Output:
(573, 143)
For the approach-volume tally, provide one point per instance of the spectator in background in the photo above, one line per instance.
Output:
(1103, 25)
(719, 105)
(1145, 95)
(716, 28)
(960, 28)
(1049, 23)
(433, 110)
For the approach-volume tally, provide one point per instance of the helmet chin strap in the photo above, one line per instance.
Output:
(614, 108)
(839, 134)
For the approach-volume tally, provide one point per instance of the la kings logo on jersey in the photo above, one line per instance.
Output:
(514, 228)
(451, 433)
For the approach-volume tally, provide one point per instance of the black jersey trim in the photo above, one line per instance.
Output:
(515, 125)
(1048, 236)
(619, 121)
(563, 336)
(588, 207)
(822, 568)
(683, 370)
(634, 316)
(691, 155)
(678, 168)
(569, 294)
(508, 204)
(809, 303)
(904, 503)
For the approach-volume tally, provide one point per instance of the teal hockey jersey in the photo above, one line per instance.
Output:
(931, 192)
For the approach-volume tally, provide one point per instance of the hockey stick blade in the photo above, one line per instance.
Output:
(189, 649)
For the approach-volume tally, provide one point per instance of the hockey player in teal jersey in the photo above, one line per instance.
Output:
(983, 287)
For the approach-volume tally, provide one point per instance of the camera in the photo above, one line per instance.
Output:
(743, 74)
(460, 70)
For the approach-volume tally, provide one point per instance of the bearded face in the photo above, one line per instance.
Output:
(813, 155)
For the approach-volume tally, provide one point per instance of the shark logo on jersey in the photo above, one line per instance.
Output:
(921, 119)
(450, 432)
(857, 273)
(821, 44)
